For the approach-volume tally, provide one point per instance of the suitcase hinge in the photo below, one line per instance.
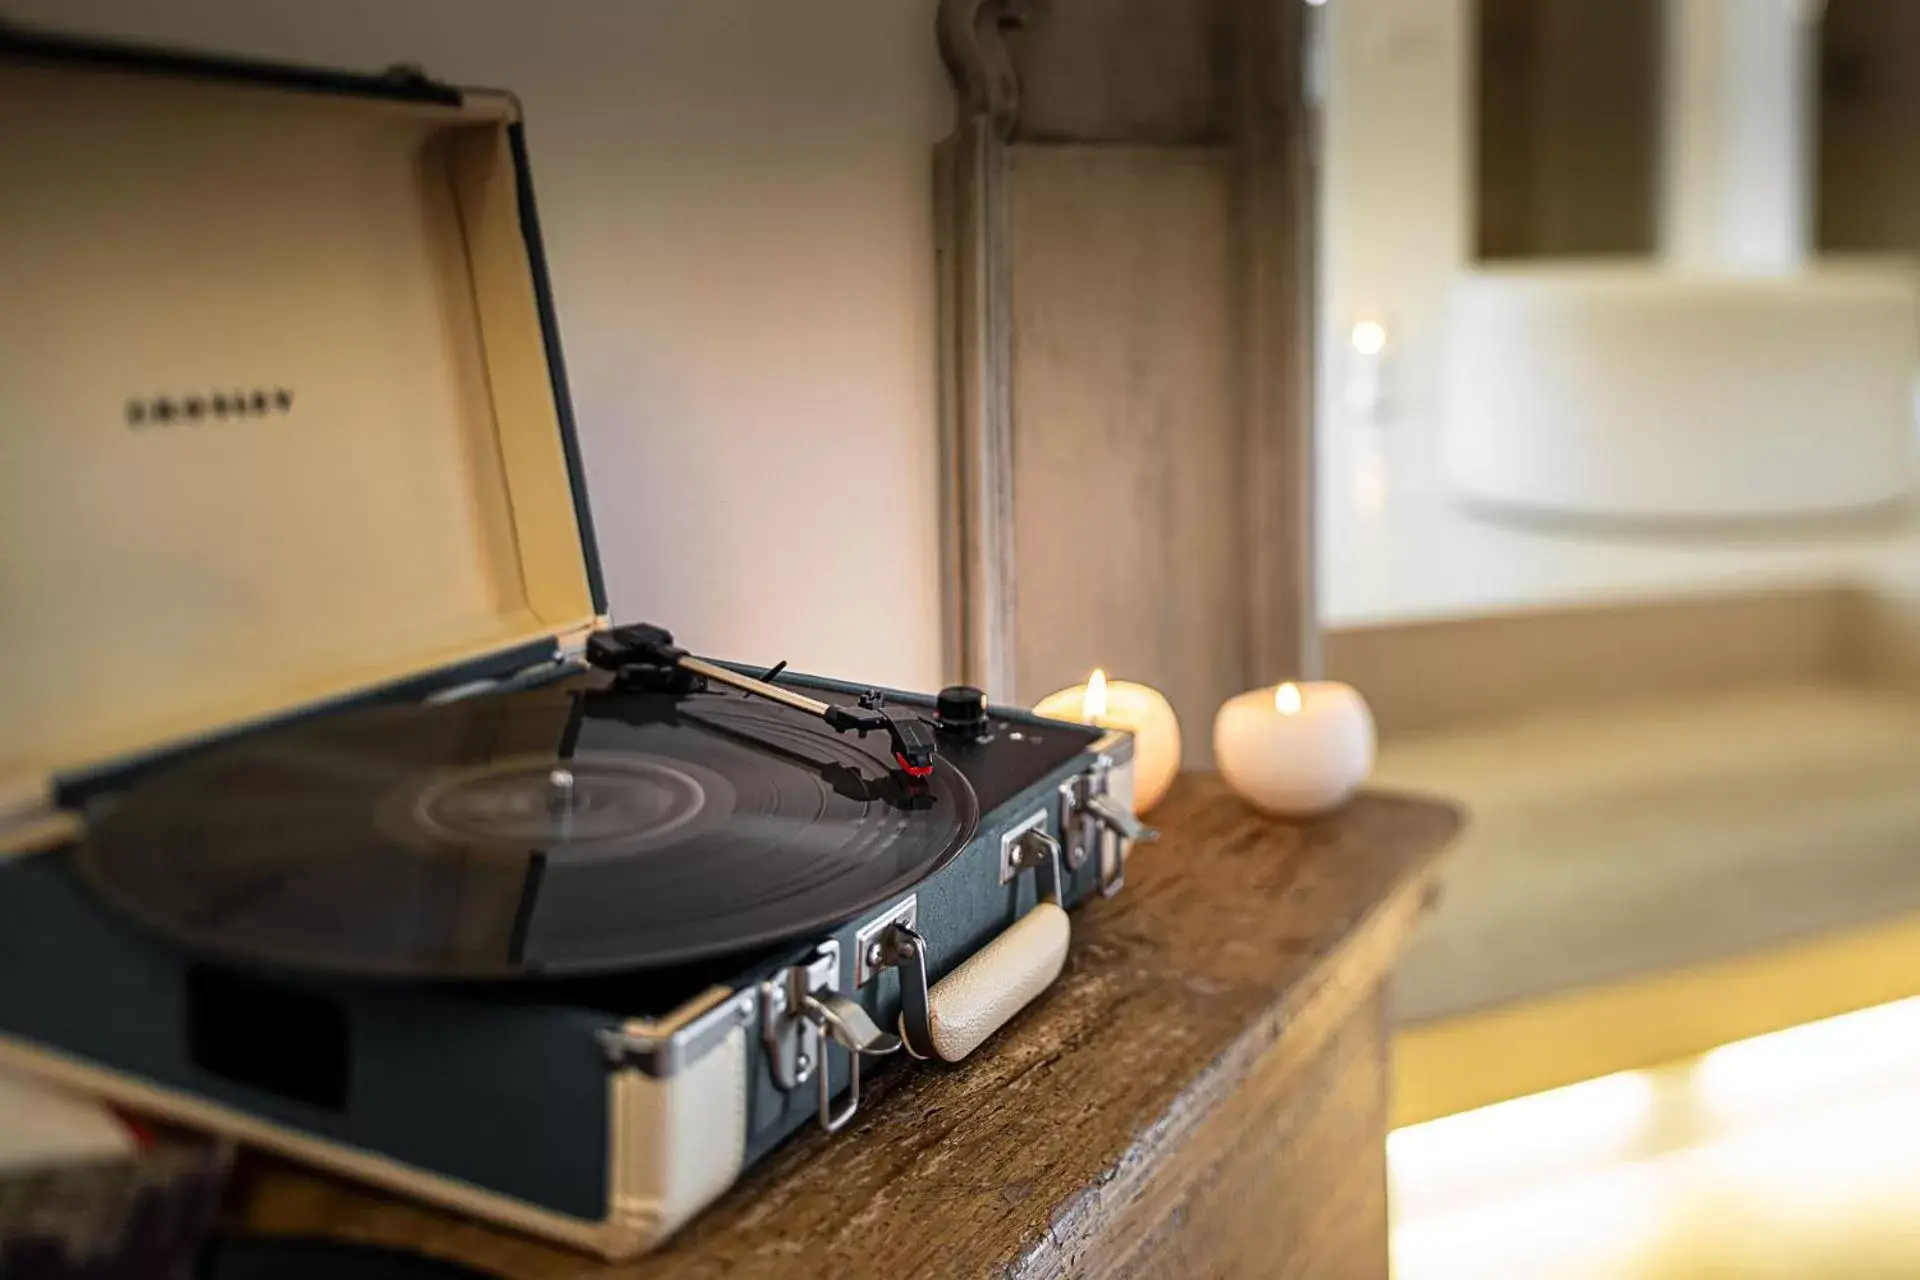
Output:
(571, 646)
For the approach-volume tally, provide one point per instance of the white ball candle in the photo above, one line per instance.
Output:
(1142, 711)
(1296, 750)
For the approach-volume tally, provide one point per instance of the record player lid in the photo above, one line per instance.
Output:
(286, 418)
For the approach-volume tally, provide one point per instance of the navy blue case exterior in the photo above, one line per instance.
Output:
(506, 1094)
(433, 1081)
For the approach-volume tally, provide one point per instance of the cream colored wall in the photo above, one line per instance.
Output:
(1396, 167)
(737, 212)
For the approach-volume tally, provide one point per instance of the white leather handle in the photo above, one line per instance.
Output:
(997, 981)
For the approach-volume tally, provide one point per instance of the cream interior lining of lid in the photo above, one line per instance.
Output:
(181, 243)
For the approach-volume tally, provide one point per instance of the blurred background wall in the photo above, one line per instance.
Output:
(1617, 528)
(1395, 181)
(737, 208)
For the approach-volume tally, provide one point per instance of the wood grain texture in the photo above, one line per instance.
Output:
(1128, 499)
(1275, 243)
(1234, 1202)
(976, 426)
(1200, 1094)
(1126, 347)
(1136, 71)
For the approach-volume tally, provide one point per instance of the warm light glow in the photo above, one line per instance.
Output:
(1814, 1061)
(1369, 337)
(1670, 1180)
(1094, 707)
(1286, 699)
(1523, 1137)
(1572, 1226)
(1369, 476)
(1784, 1117)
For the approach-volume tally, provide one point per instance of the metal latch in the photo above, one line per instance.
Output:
(901, 947)
(1093, 822)
(800, 1008)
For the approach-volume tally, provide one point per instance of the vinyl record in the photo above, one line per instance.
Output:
(565, 830)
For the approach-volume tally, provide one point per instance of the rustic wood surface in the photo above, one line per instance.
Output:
(1140, 71)
(1277, 244)
(976, 422)
(1126, 394)
(1287, 1178)
(1201, 1093)
(1124, 218)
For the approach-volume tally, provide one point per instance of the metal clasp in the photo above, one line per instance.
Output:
(850, 1027)
(1034, 850)
(1027, 846)
(1093, 822)
(801, 1008)
(793, 1042)
(901, 947)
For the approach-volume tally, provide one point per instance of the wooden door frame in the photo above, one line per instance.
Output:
(1274, 308)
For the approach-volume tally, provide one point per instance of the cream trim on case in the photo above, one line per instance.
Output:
(679, 1140)
(1117, 747)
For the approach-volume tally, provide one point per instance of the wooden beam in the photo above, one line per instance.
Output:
(1127, 381)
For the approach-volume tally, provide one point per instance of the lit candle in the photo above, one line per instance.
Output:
(1296, 750)
(1141, 711)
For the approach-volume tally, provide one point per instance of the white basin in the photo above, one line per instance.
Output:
(1633, 392)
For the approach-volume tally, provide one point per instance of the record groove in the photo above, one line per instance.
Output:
(565, 830)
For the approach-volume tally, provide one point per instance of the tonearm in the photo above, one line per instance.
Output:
(647, 655)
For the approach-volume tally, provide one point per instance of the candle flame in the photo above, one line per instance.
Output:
(1094, 706)
(1286, 699)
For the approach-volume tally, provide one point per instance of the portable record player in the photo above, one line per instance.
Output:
(338, 817)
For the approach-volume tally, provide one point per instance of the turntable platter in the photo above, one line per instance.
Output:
(564, 830)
